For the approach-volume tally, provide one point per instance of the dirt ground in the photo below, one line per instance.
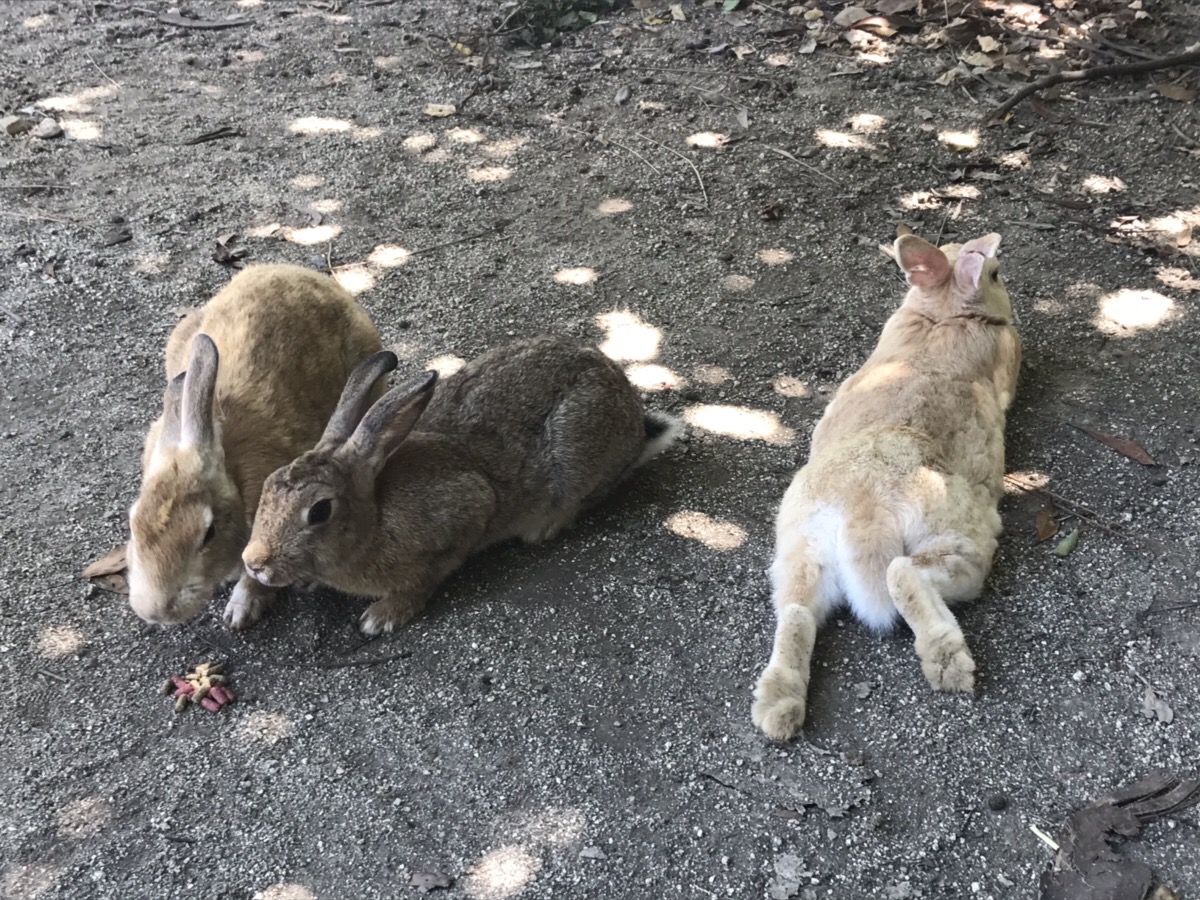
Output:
(573, 720)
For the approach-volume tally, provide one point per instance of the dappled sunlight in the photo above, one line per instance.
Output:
(789, 386)
(866, 123)
(307, 182)
(740, 422)
(250, 4)
(28, 882)
(780, 60)
(1103, 184)
(504, 148)
(151, 262)
(212, 90)
(576, 275)
(309, 12)
(1029, 480)
(464, 136)
(318, 125)
(446, 364)
(262, 727)
(389, 256)
(936, 199)
(716, 534)
(81, 129)
(251, 57)
(881, 375)
(285, 890)
(842, 140)
(355, 278)
(421, 142)
(59, 641)
(627, 337)
(1175, 227)
(652, 377)
(80, 101)
(1177, 278)
(366, 133)
(84, 818)
(38, 21)
(1014, 159)
(738, 284)
(708, 140)
(613, 206)
(713, 375)
(553, 827)
(920, 200)
(387, 62)
(960, 192)
(326, 206)
(489, 174)
(1045, 51)
(1023, 16)
(959, 141)
(1129, 311)
(775, 256)
(313, 234)
(501, 873)
(263, 231)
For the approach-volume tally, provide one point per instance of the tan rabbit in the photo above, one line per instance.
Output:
(396, 497)
(896, 509)
(253, 376)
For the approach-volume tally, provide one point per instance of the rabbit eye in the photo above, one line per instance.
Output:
(211, 532)
(319, 512)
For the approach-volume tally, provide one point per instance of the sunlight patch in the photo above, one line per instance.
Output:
(740, 422)
(842, 140)
(628, 337)
(1129, 311)
(80, 101)
(921, 200)
(775, 256)
(387, 62)
(38, 21)
(651, 377)
(576, 275)
(613, 206)
(314, 234)
(1018, 482)
(260, 727)
(739, 284)
(326, 206)
(712, 375)
(1102, 184)
(867, 123)
(489, 174)
(709, 140)
(780, 60)
(151, 262)
(307, 182)
(959, 141)
(388, 256)
(357, 279)
(716, 534)
(465, 136)
(789, 386)
(504, 148)
(59, 641)
(84, 818)
(501, 873)
(960, 192)
(318, 125)
(446, 364)
(418, 143)
(250, 4)
(81, 130)
(367, 133)
(285, 890)
(30, 882)
(1015, 159)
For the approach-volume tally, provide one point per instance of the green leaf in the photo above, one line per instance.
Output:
(589, 17)
(1067, 544)
(731, 5)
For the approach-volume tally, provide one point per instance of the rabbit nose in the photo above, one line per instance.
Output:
(256, 556)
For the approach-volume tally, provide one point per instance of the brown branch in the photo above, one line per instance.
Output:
(1090, 74)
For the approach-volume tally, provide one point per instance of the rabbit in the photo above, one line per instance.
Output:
(396, 497)
(252, 377)
(896, 509)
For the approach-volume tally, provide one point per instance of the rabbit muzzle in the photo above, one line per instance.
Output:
(257, 559)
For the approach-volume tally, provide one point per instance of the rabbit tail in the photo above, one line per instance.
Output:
(870, 539)
(662, 431)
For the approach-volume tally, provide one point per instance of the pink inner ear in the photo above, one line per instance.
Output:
(925, 265)
(968, 269)
(987, 245)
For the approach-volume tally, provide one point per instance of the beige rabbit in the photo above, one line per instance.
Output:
(896, 509)
(253, 377)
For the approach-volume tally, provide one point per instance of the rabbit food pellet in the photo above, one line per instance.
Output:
(204, 685)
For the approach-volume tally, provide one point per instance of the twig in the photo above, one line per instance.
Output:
(38, 215)
(1090, 74)
(1044, 838)
(494, 229)
(653, 168)
(685, 159)
(100, 70)
(52, 675)
(803, 164)
(1085, 515)
(1183, 134)
(1175, 608)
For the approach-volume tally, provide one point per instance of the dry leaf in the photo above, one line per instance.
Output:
(1154, 707)
(108, 572)
(988, 44)
(1177, 92)
(677, 12)
(891, 7)
(982, 60)
(742, 51)
(1125, 447)
(440, 110)
(1046, 525)
(850, 15)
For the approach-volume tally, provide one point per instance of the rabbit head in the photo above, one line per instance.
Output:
(954, 280)
(187, 526)
(322, 506)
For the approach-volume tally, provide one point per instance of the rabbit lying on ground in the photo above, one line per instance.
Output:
(515, 444)
(287, 337)
(896, 509)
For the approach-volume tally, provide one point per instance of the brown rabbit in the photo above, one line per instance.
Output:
(513, 445)
(287, 338)
(896, 509)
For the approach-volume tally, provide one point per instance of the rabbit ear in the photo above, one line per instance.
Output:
(356, 395)
(199, 390)
(924, 264)
(172, 399)
(968, 267)
(387, 423)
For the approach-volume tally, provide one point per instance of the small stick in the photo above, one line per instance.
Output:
(803, 164)
(1175, 608)
(100, 70)
(1045, 838)
(685, 159)
(1090, 74)
(499, 226)
(657, 171)
(1183, 134)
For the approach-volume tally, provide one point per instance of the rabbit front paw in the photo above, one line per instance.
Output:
(247, 604)
(779, 704)
(949, 667)
(385, 616)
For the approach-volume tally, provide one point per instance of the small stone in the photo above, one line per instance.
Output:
(997, 803)
(47, 130)
(622, 96)
(592, 853)
(14, 125)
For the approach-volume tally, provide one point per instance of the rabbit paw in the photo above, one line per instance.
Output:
(384, 616)
(949, 667)
(779, 705)
(247, 604)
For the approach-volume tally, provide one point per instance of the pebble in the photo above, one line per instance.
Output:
(47, 130)
(997, 802)
(14, 125)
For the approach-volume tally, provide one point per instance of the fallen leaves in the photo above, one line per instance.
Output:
(1177, 92)
(1125, 447)
(1154, 707)
(226, 254)
(1046, 525)
(108, 572)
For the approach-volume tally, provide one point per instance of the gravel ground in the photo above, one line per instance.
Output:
(572, 720)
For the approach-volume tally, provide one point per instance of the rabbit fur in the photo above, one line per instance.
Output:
(252, 377)
(393, 499)
(896, 509)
